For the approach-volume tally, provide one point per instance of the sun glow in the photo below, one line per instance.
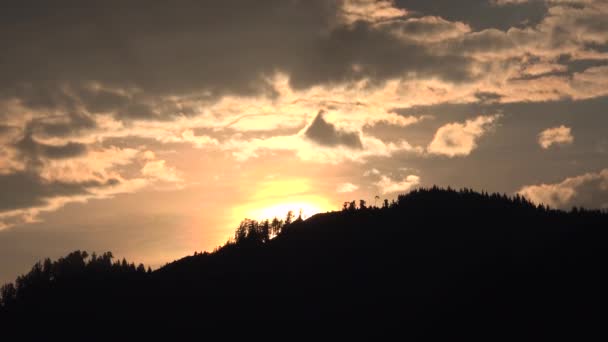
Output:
(276, 198)
(280, 210)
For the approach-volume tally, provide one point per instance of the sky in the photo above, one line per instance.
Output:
(151, 128)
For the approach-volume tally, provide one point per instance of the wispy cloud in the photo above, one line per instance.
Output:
(587, 189)
(346, 187)
(387, 185)
(560, 135)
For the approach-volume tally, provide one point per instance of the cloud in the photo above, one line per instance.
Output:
(324, 133)
(199, 52)
(460, 139)
(26, 195)
(71, 113)
(508, 2)
(98, 174)
(370, 172)
(139, 56)
(370, 10)
(560, 135)
(436, 58)
(324, 143)
(387, 185)
(31, 149)
(72, 123)
(346, 187)
(429, 29)
(315, 43)
(307, 150)
(543, 68)
(589, 190)
(158, 169)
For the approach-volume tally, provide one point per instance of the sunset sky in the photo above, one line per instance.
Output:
(152, 128)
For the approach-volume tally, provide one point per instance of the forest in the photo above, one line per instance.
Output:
(458, 259)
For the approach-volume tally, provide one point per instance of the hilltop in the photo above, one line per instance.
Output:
(459, 260)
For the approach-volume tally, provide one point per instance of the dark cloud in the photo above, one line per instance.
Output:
(23, 190)
(378, 54)
(5, 129)
(220, 46)
(74, 97)
(580, 65)
(211, 47)
(77, 122)
(54, 52)
(101, 100)
(68, 150)
(481, 14)
(487, 97)
(324, 133)
(33, 151)
(138, 111)
(484, 41)
(36, 94)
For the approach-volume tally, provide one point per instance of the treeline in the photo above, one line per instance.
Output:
(432, 257)
(422, 199)
(79, 265)
(253, 231)
(437, 197)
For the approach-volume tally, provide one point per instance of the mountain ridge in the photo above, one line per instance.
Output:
(435, 257)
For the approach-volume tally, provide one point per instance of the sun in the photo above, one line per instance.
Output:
(276, 198)
(306, 209)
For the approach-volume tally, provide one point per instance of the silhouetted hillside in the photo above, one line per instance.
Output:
(434, 261)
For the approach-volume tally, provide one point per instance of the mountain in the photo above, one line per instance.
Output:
(435, 261)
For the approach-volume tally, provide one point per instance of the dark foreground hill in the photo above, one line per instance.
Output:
(436, 261)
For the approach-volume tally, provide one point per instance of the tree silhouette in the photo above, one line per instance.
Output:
(457, 259)
(275, 226)
(265, 227)
(352, 206)
(8, 295)
(241, 232)
(289, 217)
(362, 205)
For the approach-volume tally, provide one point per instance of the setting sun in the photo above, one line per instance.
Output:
(280, 210)
(275, 198)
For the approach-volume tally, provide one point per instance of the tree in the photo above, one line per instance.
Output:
(265, 231)
(253, 231)
(106, 259)
(8, 295)
(289, 217)
(362, 205)
(241, 232)
(385, 204)
(275, 226)
(352, 206)
(47, 268)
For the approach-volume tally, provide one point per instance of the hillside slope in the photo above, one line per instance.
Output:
(437, 258)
